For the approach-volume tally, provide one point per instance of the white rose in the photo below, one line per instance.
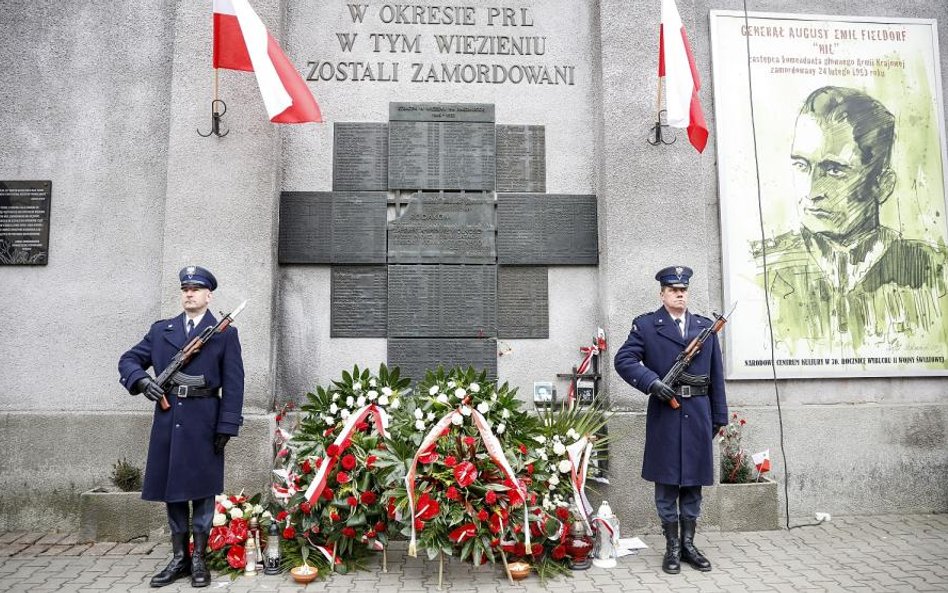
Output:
(433, 390)
(395, 403)
(466, 410)
(431, 416)
(361, 401)
(357, 386)
(543, 456)
(335, 396)
(386, 391)
(483, 407)
(333, 408)
(565, 466)
(420, 424)
(559, 448)
(349, 401)
(226, 503)
(474, 387)
(457, 420)
(459, 393)
(344, 414)
(505, 414)
(419, 414)
(372, 382)
(383, 400)
(329, 420)
(572, 434)
(540, 439)
(501, 428)
(372, 395)
(236, 513)
(554, 480)
(442, 398)
(219, 520)
(451, 384)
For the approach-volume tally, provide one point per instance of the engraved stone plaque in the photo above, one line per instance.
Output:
(358, 302)
(332, 228)
(416, 355)
(468, 112)
(550, 229)
(521, 159)
(360, 157)
(444, 228)
(441, 155)
(24, 222)
(522, 302)
(442, 301)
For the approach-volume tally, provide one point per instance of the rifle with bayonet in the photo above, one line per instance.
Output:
(190, 349)
(691, 350)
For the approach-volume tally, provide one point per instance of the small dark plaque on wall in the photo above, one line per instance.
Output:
(522, 302)
(547, 229)
(442, 301)
(444, 228)
(441, 146)
(332, 227)
(24, 222)
(360, 157)
(358, 302)
(416, 355)
(521, 159)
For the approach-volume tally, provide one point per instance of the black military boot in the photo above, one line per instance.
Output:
(180, 565)
(672, 561)
(689, 553)
(200, 576)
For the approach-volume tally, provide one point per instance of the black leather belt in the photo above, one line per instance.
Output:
(687, 391)
(185, 391)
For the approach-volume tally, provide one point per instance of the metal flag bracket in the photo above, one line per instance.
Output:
(216, 116)
(656, 132)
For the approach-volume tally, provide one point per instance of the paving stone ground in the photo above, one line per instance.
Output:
(878, 553)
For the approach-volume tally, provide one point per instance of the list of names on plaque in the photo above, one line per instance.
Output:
(521, 159)
(358, 302)
(24, 222)
(549, 229)
(332, 227)
(439, 155)
(442, 301)
(522, 302)
(444, 228)
(360, 156)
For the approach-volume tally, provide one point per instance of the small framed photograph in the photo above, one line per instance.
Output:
(585, 391)
(543, 394)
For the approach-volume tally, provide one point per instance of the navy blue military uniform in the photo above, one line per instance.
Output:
(183, 464)
(679, 455)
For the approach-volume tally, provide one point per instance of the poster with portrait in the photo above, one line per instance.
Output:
(832, 168)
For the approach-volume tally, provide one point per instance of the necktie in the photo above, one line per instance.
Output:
(190, 327)
(681, 327)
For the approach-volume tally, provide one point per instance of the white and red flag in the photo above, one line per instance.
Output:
(241, 42)
(676, 64)
(762, 461)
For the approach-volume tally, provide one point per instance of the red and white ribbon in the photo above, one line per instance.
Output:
(342, 441)
(579, 454)
(589, 352)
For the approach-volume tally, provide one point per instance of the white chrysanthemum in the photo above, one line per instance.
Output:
(372, 395)
(383, 400)
(457, 420)
(395, 403)
(433, 390)
(459, 393)
(556, 438)
(442, 398)
(333, 408)
(431, 416)
(554, 480)
(420, 424)
(544, 456)
(360, 401)
(329, 420)
(419, 414)
(335, 396)
(236, 513)
(571, 433)
(505, 413)
(559, 448)
(386, 391)
(227, 504)
(451, 384)
(565, 466)
(372, 382)
(357, 386)
(540, 439)
(219, 520)
(501, 428)
(483, 407)
(466, 410)
(349, 401)
(344, 414)
(474, 387)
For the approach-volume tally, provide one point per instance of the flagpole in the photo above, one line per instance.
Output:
(658, 106)
(216, 83)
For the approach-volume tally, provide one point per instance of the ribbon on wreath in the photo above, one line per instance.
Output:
(579, 454)
(588, 352)
(494, 451)
(318, 484)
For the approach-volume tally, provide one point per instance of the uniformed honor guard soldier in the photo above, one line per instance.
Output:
(678, 442)
(186, 449)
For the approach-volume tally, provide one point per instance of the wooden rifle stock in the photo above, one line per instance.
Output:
(688, 354)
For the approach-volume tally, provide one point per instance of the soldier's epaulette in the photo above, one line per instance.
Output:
(635, 322)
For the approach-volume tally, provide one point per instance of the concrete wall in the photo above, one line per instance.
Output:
(109, 115)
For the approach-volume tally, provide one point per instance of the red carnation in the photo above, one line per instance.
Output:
(352, 501)
(283, 453)
(218, 538)
(368, 497)
(429, 457)
(370, 534)
(562, 514)
(559, 552)
(380, 526)
(419, 524)
(334, 516)
(514, 497)
(281, 516)
(362, 426)
(348, 532)
(342, 478)
(328, 493)
(491, 497)
(452, 493)
(469, 441)
(348, 462)
(450, 461)
(536, 549)
(306, 466)
(495, 523)
(329, 431)
(306, 507)
(530, 469)
(319, 461)
(465, 473)
(289, 532)
(482, 515)
(523, 448)
(332, 450)
(236, 557)
(494, 542)
(370, 460)
(427, 508)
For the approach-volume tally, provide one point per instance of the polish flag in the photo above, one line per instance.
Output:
(677, 64)
(241, 42)
(762, 461)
